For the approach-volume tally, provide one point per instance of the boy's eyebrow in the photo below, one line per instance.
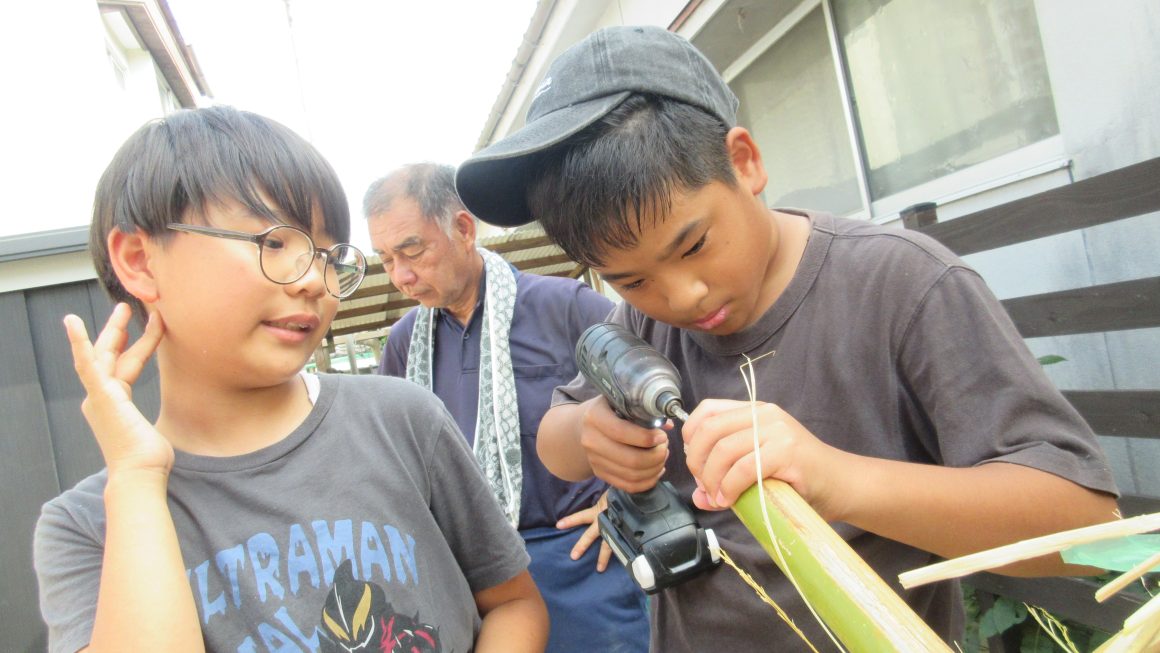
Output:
(668, 251)
(675, 244)
(617, 276)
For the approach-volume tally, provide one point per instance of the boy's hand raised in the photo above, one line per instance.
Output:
(107, 370)
(621, 453)
(719, 450)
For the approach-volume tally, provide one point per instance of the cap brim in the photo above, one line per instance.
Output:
(493, 182)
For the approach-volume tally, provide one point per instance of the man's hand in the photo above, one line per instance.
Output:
(107, 370)
(621, 453)
(719, 450)
(590, 534)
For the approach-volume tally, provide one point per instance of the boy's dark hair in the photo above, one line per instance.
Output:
(596, 191)
(430, 185)
(172, 168)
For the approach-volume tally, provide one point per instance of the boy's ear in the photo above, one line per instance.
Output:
(746, 158)
(130, 254)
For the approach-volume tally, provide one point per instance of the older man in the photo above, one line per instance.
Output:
(493, 342)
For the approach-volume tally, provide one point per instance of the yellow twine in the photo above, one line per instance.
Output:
(750, 380)
(761, 594)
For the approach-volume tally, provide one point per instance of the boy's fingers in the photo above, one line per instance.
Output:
(706, 409)
(623, 465)
(601, 419)
(637, 481)
(113, 337)
(647, 452)
(718, 459)
(82, 349)
(130, 364)
(701, 500)
(738, 479)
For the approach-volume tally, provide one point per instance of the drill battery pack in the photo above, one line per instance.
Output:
(657, 538)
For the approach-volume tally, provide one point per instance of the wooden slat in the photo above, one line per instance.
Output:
(1070, 598)
(376, 308)
(28, 476)
(539, 240)
(543, 261)
(1108, 307)
(372, 291)
(386, 322)
(1127, 413)
(1122, 193)
(77, 453)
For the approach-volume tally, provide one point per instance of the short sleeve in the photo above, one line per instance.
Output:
(987, 396)
(68, 554)
(589, 308)
(578, 389)
(488, 548)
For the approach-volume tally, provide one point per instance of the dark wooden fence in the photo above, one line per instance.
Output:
(1118, 195)
(45, 444)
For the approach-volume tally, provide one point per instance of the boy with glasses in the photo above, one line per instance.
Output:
(265, 509)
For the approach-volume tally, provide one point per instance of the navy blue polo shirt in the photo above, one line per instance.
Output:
(550, 314)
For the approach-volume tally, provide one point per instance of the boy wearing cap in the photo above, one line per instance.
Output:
(901, 402)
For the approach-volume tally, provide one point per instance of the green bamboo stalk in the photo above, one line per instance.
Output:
(861, 610)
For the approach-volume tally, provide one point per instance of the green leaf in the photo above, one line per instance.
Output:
(1050, 359)
(1036, 641)
(1002, 615)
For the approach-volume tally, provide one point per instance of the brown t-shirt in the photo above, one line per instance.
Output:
(887, 346)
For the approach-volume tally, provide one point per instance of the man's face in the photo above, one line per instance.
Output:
(703, 265)
(422, 261)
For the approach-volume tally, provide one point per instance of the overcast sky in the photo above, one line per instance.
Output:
(383, 82)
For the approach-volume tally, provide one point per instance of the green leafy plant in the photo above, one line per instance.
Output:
(1038, 630)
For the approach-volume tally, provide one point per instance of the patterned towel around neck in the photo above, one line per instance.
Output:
(497, 426)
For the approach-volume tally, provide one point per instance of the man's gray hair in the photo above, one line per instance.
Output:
(430, 185)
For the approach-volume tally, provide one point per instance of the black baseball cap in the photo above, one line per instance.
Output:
(583, 84)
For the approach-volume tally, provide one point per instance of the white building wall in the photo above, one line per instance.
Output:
(56, 129)
(66, 112)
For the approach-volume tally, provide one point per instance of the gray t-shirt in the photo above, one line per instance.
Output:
(888, 346)
(375, 494)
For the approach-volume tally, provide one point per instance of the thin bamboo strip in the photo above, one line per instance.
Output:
(1123, 580)
(1141, 631)
(854, 602)
(1148, 613)
(1025, 549)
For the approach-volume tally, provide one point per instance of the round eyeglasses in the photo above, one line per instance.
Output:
(285, 253)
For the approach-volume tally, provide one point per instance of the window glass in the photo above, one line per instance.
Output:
(791, 102)
(940, 86)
